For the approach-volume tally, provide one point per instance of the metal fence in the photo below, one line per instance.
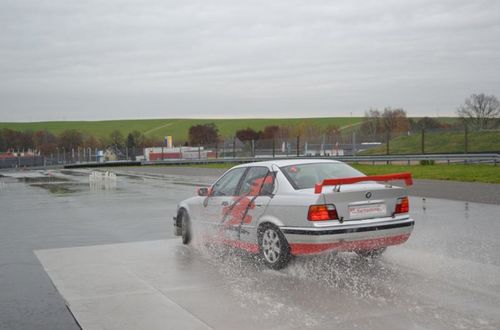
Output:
(348, 145)
(357, 143)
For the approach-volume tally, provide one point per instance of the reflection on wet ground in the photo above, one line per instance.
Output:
(62, 187)
(447, 276)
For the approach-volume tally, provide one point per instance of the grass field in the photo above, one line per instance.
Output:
(441, 142)
(454, 172)
(178, 128)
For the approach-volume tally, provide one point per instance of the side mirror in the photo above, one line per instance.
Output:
(203, 191)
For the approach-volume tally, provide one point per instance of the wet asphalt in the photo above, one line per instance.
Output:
(446, 274)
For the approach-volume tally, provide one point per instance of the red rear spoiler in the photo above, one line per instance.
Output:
(406, 176)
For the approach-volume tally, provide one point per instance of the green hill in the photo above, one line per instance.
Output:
(178, 128)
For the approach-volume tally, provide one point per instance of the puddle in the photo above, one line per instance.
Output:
(61, 188)
(43, 179)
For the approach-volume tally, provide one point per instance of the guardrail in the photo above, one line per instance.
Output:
(443, 158)
(387, 159)
(446, 158)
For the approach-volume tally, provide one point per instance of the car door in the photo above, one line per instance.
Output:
(253, 196)
(222, 196)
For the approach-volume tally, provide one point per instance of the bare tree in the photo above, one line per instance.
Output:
(480, 111)
(116, 138)
(394, 120)
(372, 124)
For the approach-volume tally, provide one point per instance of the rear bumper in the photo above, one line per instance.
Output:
(348, 237)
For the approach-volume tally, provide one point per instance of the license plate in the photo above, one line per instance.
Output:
(367, 211)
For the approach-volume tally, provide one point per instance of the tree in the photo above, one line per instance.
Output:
(45, 142)
(247, 134)
(480, 111)
(70, 139)
(27, 140)
(285, 132)
(372, 126)
(269, 132)
(131, 141)
(428, 123)
(138, 139)
(332, 133)
(394, 120)
(116, 138)
(90, 141)
(11, 139)
(203, 134)
(307, 129)
(3, 146)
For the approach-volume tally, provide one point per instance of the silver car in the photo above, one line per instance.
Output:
(283, 208)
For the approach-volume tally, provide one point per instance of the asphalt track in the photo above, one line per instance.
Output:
(463, 191)
(108, 253)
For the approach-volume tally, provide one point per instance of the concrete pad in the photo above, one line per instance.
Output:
(165, 285)
(103, 292)
(146, 310)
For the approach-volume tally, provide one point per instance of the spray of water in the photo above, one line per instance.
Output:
(102, 180)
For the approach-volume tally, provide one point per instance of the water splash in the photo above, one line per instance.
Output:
(102, 180)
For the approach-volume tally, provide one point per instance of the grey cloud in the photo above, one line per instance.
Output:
(116, 59)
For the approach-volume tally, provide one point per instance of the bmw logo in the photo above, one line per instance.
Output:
(368, 194)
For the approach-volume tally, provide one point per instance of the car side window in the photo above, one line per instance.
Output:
(257, 181)
(227, 184)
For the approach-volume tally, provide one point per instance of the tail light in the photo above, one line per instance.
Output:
(322, 212)
(402, 205)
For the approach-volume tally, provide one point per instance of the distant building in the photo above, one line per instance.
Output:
(159, 153)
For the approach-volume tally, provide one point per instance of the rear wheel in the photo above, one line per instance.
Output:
(375, 253)
(274, 249)
(186, 227)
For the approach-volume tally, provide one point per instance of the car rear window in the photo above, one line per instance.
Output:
(303, 176)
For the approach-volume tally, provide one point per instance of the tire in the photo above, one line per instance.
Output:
(185, 227)
(375, 253)
(273, 247)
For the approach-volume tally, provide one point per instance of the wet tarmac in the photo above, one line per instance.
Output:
(109, 252)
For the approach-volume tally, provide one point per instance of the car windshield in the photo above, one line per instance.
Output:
(303, 176)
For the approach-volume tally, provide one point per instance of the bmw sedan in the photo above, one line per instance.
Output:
(283, 208)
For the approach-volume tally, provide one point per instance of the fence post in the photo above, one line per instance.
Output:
(423, 141)
(353, 143)
(466, 138)
(199, 152)
(216, 150)
(298, 145)
(274, 151)
(323, 146)
(253, 148)
(234, 147)
(387, 137)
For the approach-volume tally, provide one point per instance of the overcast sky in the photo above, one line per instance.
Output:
(107, 59)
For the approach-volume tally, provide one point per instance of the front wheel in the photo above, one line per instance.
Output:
(186, 228)
(274, 249)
